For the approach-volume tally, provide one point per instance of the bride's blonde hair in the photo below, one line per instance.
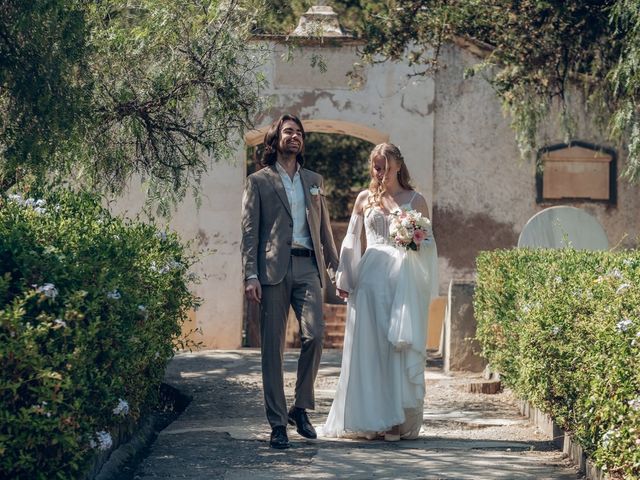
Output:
(387, 151)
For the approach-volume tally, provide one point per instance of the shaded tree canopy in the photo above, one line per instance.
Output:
(104, 90)
(539, 52)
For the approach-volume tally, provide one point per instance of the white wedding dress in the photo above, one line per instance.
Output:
(382, 375)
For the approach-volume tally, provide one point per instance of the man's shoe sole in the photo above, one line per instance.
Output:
(279, 447)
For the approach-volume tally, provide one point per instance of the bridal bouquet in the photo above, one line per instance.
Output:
(409, 229)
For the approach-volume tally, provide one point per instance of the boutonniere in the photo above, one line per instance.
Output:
(315, 190)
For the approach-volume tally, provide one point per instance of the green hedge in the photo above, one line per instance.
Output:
(563, 328)
(91, 308)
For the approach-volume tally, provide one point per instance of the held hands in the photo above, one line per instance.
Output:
(253, 290)
(343, 294)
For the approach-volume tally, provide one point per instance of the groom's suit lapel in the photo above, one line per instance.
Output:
(276, 182)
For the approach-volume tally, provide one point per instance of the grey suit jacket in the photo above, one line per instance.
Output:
(267, 226)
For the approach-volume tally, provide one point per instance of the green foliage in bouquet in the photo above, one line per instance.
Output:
(563, 328)
(91, 308)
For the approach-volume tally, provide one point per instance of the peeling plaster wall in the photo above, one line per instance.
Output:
(483, 193)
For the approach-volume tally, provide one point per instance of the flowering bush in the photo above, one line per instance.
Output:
(91, 308)
(563, 328)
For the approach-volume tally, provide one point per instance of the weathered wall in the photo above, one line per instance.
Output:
(483, 193)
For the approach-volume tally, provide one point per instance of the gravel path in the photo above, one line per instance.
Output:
(223, 433)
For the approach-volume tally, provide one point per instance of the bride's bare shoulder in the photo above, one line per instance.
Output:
(361, 201)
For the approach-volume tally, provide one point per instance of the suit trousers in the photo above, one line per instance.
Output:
(300, 290)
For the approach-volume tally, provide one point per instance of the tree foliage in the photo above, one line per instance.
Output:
(541, 52)
(105, 90)
(544, 57)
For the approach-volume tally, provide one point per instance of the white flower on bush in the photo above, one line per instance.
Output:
(622, 288)
(49, 290)
(104, 441)
(555, 330)
(170, 265)
(122, 408)
(60, 322)
(162, 236)
(558, 279)
(142, 308)
(636, 340)
(635, 404)
(615, 273)
(16, 198)
(627, 262)
(526, 308)
(606, 438)
(624, 324)
(114, 295)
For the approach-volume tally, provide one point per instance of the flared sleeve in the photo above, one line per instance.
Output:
(350, 254)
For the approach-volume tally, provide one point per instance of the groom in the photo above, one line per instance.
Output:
(286, 246)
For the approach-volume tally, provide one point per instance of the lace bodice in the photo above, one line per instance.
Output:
(376, 225)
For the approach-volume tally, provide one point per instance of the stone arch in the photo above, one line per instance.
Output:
(341, 127)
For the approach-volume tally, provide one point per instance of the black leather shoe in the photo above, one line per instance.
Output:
(279, 438)
(299, 418)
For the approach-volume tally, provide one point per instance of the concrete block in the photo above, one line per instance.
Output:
(461, 347)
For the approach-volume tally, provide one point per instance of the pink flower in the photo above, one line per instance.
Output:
(419, 236)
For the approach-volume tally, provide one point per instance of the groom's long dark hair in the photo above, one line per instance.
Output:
(272, 138)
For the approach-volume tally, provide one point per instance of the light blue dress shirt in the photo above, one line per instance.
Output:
(295, 195)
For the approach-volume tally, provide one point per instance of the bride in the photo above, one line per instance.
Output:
(381, 386)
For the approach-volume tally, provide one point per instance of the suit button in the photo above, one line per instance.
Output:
(291, 224)
(288, 242)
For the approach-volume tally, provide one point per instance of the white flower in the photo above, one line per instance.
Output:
(156, 355)
(623, 325)
(49, 290)
(555, 330)
(635, 404)
(606, 438)
(114, 295)
(558, 279)
(40, 210)
(60, 322)
(627, 262)
(40, 203)
(636, 340)
(30, 202)
(162, 236)
(105, 442)
(16, 198)
(615, 273)
(122, 408)
(526, 308)
(622, 288)
(142, 308)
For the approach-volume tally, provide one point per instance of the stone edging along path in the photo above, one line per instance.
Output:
(563, 440)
